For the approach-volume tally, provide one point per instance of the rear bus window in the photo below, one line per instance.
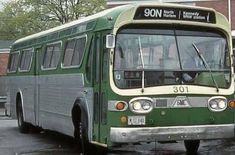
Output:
(51, 56)
(26, 60)
(13, 62)
(74, 50)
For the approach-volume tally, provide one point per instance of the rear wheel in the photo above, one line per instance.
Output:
(192, 146)
(23, 126)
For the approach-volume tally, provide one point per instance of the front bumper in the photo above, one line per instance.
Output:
(150, 134)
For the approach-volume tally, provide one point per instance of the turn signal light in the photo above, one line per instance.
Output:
(232, 103)
(120, 106)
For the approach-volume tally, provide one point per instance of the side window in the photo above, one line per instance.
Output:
(13, 62)
(56, 56)
(51, 56)
(47, 57)
(26, 60)
(69, 49)
(74, 50)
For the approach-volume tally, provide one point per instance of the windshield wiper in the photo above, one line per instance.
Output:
(206, 66)
(142, 62)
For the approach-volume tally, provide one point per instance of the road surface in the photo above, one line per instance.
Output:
(49, 143)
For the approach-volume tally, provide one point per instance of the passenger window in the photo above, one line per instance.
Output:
(56, 56)
(74, 50)
(13, 62)
(51, 56)
(26, 60)
(69, 52)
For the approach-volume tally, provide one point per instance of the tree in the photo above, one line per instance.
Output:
(67, 10)
(18, 20)
(24, 17)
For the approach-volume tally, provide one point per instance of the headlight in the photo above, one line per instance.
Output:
(141, 105)
(217, 103)
(146, 105)
(136, 105)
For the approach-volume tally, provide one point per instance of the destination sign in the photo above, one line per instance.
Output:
(167, 13)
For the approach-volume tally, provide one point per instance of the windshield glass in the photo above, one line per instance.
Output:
(168, 56)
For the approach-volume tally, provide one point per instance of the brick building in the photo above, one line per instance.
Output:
(226, 7)
(4, 54)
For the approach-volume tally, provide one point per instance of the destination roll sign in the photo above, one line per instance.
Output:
(167, 13)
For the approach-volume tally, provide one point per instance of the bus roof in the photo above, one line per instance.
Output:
(70, 24)
(109, 16)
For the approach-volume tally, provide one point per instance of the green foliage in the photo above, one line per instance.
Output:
(67, 10)
(24, 17)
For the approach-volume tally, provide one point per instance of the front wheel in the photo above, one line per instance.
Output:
(191, 146)
(22, 125)
(80, 129)
(81, 138)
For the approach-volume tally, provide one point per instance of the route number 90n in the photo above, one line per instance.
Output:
(180, 89)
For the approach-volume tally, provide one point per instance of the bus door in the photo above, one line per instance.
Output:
(37, 52)
(100, 82)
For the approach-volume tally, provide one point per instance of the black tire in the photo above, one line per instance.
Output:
(80, 131)
(191, 146)
(23, 126)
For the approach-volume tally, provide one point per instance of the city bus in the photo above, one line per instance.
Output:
(144, 72)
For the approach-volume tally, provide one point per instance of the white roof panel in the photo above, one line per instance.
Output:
(76, 22)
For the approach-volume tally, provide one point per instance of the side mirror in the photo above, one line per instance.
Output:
(110, 41)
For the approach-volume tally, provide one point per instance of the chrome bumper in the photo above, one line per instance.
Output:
(150, 134)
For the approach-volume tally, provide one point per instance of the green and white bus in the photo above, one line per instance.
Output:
(142, 72)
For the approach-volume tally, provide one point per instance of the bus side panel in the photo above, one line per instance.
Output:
(12, 92)
(58, 93)
(27, 88)
(25, 85)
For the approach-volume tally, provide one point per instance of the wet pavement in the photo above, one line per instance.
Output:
(50, 143)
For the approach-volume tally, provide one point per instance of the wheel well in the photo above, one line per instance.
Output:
(79, 116)
(76, 115)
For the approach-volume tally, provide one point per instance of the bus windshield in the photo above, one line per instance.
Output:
(157, 57)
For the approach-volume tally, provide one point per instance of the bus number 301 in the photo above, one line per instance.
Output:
(180, 89)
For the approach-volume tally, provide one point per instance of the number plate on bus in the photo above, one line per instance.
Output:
(136, 120)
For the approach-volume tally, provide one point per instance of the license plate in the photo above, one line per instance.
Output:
(136, 120)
